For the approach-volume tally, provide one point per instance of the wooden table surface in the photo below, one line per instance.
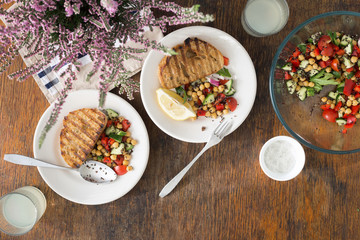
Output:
(225, 195)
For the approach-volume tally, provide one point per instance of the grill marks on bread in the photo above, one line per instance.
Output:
(81, 130)
(196, 59)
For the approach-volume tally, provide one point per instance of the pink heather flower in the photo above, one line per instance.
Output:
(110, 5)
(68, 9)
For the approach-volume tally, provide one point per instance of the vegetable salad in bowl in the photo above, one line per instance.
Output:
(328, 59)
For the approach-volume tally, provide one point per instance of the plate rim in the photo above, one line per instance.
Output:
(184, 30)
(66, 196)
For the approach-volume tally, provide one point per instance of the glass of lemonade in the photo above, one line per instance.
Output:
(21, 209)
(262, 18)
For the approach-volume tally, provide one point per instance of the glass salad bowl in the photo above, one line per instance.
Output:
(303, 119)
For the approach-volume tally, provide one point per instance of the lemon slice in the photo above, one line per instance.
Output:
(172, 104)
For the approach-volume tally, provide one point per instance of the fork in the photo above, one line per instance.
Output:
(216, 136)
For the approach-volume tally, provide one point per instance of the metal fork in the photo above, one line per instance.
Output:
(216, 136)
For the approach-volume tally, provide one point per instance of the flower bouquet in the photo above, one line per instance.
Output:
(100, 28)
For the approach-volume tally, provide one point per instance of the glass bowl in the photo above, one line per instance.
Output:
(303, 119)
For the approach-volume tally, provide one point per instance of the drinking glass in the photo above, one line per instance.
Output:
(21, 209)
(262, 18)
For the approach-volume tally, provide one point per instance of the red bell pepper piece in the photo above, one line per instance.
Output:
(338, 106)
(119, 160)
(220, 97)
(106, 160)
(355, 109)
(296, 53)
(317, 51)
(349, 85)
(226, 61)
(344, 131)
(223, 81)
(335, 64)
(109, 123)
(357, 88)
(340, 52)
(232, 103)
(325, 107)
(111, 141)
(295, 63)
(350, 69)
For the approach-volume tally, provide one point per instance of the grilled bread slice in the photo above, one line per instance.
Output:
(82, 128)
(195, 59)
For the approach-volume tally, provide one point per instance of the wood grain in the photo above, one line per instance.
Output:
(225, 195)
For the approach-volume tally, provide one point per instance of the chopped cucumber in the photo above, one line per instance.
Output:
(333, 95)
(302, 93)
(340, 121)
(349, 49)
(287, 67)
(313, 72)
(345, 40)
(291, 86)
(304, 63)
(340, 98)
(117, 137)
(119, 150)
(128, 147)
(111, 113)
(348, 63)
(110, 130)
(231, 92)
(209, 99)
(228, 85)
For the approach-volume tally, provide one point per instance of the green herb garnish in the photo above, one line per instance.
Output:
(224, 72)
(302, 47)
(181, 91)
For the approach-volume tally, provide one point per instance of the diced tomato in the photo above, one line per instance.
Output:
(287, 76)
(357, 88)
(220, 107)
(120, 169)
(349, 125)
(357, 74)
(125, 125)
(350, 69)
(357, 95)
(104, 141)
(322, 64)
(340, 52)
(327, 51)
(293, 69)
(324, 41)
(325, 106)
(355, 109)
(338, 106)
(295, 63)
(296, 53)
(350, 119)
(119, 159)
(357, 49)
(206, 91)
(109, 123)
(344, 131)
(102, 135)
(232, 103)
(200, 112)
(349, 85)
(111, 141)
(330, 115)
(335, 47)
(220, 97)
(317, 52)
(335, 64)
(106, 160)
(226, 61)
(355, 53)
(116, 122)
(223, 81)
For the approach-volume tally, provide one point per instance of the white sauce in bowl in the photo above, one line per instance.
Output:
(282, 158)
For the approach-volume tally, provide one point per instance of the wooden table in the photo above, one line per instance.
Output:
(225, 195)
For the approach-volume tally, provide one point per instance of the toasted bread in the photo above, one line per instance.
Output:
(195, 59)
(82, 128)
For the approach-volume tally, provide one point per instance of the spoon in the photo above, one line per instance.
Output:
(92, 171)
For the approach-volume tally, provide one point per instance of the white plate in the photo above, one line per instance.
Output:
(240, 67)
(69, 184)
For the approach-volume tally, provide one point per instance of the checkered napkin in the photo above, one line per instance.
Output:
(51, 83)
